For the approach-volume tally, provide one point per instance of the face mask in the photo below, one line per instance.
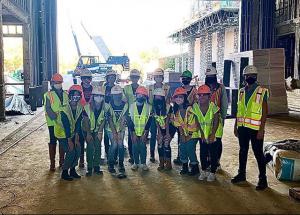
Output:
(58, 86)
(250, 80)
(186, 81)
(211, 80)
(158, 79)
(141, 100)
(98, 99)
(179, 101)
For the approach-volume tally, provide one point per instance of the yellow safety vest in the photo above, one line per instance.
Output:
(55, 103)
(95, 123)
(138, 120)
(206, 122)
(129, 94)
(161, 120)
(250, 115)
(118, 123)
(216, 98)
(188, 124)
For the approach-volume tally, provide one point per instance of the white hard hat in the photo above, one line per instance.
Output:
(211, 71)
(111, 72)
(135, 72)
(86, 73)
(159, 92)
(116, 90)
(158, 72)
(250, 70)
(98, 90)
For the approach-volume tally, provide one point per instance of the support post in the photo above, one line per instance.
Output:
(297, 52)
(2, 81)
(191, 54)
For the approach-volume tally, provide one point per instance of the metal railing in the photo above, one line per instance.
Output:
(286, 10)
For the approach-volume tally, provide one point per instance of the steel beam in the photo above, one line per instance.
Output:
(17, 11)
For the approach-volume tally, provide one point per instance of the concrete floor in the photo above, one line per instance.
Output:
(26, 185)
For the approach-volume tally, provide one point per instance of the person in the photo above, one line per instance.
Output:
(93, 124)
(161, 114)
(219, 97)
(129, 91)
(185, 120)
(250, 125)
(54, 100)
(139, 121)
(118, 109)
(67, 129)
(158, 76)
(207, 115)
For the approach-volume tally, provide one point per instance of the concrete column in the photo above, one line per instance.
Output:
(236, 39)
(191, 54)
(297, 44)
(26, 60)
(208, 49)
(202, 57)
(221, 47)
(2, 81)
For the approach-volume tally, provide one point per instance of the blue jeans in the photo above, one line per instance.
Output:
(153, 130)
(188, 151)
(116, 148)
(139, 152)
(72, 156)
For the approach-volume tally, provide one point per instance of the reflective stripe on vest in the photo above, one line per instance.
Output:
(95, 124)
(118, 123)
(250, 115)
(139, 121)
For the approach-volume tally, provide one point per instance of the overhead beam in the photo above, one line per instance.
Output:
(18, 12)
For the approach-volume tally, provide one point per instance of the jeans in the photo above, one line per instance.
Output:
(209, 150)
(188, 151)
(245, 135)
(139, 152)
(116, 148)
(93, 152)
(130, 144)
(82, 141)
(153, 130)
(164, 150)
(72, 156)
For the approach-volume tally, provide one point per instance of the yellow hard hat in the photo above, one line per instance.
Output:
(250, 69)
(86, 73)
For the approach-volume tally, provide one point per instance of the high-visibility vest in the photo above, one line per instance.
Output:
(139, 120)
(249, 115)
(188, 124)
(59, 130)
(118, 123)
(130, 96)
(216, 98)
(166, 89)
(55, 103)
(161, 120)
(206, 122)
(95, 123)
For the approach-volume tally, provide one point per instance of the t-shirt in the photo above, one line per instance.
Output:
(87, 93)
(118, 109)
(250, 90)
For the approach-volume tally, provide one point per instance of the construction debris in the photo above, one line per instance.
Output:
(16, 105)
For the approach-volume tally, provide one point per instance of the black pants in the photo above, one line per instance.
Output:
(53, 139)
(209, 156)
(219, 150)
(106, 143)
(245, 135)
(130, 144)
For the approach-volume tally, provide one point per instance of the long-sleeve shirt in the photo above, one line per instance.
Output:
(52, 115)
(67, 126)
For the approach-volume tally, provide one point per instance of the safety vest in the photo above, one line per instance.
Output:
(161, 120)
(250, 115)
(139, 120)
(216, 98)
(166, 89)
(95, 123)
(59, 130)
(118, 123)
(188, 124)
(129, 94)
(55, 103)
(206, 122)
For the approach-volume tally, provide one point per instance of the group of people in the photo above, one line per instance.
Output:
(90, 112)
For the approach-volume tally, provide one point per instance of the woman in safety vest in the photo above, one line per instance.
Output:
(185, 120)
(116, 132)
(139, 124)
(67, 131)
(93, 124)
(207, 114)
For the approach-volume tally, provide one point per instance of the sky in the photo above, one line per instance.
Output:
(127, 26)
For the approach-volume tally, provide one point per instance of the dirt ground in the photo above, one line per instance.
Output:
(26, 185)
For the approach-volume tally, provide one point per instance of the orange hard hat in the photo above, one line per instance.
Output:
(142, 90)
(204, 89)
(75, 87)
(180, 91)
(57, 78)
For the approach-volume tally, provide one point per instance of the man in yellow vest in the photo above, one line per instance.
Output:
(129, 91)
(54, 100)
(250, 125)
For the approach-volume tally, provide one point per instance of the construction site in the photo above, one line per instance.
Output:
(226, 35)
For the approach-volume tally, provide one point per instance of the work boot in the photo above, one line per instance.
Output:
(65, 176)
(52, 153)
(97, 170)
(111, 169)
(61, 156)
(152, 158)
(89, 172)
(194, 170)
(168, 164)
(161, 164)
(74, 174)
(177, 161)
(121, 168)
(262, 184)
(185, 169)
(238, 178)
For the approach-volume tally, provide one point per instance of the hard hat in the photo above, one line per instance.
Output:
(97, 83)
(180, 91)
(158, 72)
(142, 90)
(187, 74)
(86, 73)
(159, 92)
(111, 72)
(98, 90)
(116, 90)
(57, 78)
(250, 70)
(135, 72)
(211, 71)
(75, 87)
(204, 89)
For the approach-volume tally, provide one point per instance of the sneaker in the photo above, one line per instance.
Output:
(134, 167)
(219, 168)
(97, 170)
(238, 178)
(203, 175)
(185, 169)
(121, 168)
(177, 161)
(262, 184)
(89, 172)
(211, 177)
(65, 176)
(152, 160)
(111, 169)
(145, 167)
(74, 174)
